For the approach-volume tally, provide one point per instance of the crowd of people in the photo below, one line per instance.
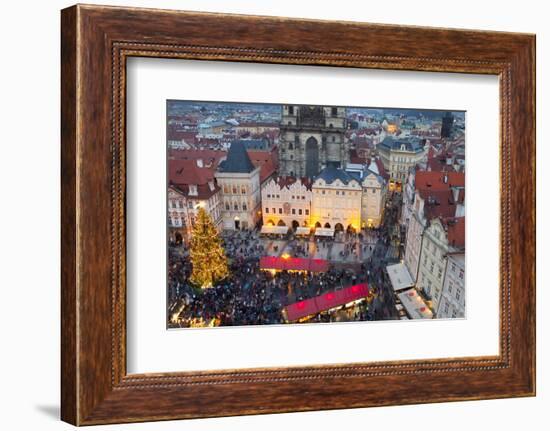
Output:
(250, 296)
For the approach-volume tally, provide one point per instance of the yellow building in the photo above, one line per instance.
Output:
(336, 200)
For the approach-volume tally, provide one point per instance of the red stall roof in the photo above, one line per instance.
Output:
(325, 301)
(293, 264)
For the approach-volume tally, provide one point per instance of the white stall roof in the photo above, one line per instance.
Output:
(324, 231)
(399, 277)
(414, 305)
(280, 230)
(302, 230)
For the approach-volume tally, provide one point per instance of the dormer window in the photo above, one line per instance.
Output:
(193, 190)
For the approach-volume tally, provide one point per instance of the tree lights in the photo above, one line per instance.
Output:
(207, 254)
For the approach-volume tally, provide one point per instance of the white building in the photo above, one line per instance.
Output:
(336, 200)
(178, 218)
(437, 194)
(453, 295)
(398, 156)
(286, 201)
(373, 197)
(443, 236)
(239, 181)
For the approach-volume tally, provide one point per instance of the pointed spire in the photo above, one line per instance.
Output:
(237, 160)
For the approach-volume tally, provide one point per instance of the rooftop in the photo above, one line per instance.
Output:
(237, 160)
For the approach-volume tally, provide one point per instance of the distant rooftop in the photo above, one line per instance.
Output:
(390, 143)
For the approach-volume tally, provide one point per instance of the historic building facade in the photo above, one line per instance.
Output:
(442, 237)
(239, 181)
(399, 156)
(373, 197)
(453, 296)
(178, 219)
(286, 201)
(336, 200)
(312, 138)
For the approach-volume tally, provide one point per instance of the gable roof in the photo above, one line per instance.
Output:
(331, 174)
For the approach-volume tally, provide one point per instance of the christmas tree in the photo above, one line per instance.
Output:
(207, 254)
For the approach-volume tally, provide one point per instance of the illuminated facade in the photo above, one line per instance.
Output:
(373, 197)
(336, 200)
(286, 201)
(239, 182)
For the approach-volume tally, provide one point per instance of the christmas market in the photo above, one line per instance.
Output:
(287, 263)
(325, 302)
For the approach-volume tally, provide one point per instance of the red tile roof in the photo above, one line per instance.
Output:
(183, 173)
(267, 160)
(435, 180)
(456, 232)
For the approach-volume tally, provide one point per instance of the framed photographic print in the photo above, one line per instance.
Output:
(324, 214)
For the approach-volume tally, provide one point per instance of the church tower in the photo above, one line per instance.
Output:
(312, 138)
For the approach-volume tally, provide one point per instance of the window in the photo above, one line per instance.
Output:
(307, 212)
(343, 193)
(280, 210)
(243, 190)
(290, 146)
(291, 110)
(333, 139)
(461, 275)
(334, 111)
(273, 210)
(299, 212)
(451, 284)
(234, 190)
(457, 295)
(373, 190)
(236, 207)
(267, 210)
(244, 207)
(293, 211)
(454, 313)
(190, 205)
(453, 267)
(303, 198)
(227, 207)
(337, 192)
(446, 307)
(439, 272)
(269, 196)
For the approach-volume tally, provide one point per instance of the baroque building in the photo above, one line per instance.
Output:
(286, 201)
(399, 156)
(311, 139)
(336, 200)
(453, 298)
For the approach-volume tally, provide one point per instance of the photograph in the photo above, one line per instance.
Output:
(297, 213)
